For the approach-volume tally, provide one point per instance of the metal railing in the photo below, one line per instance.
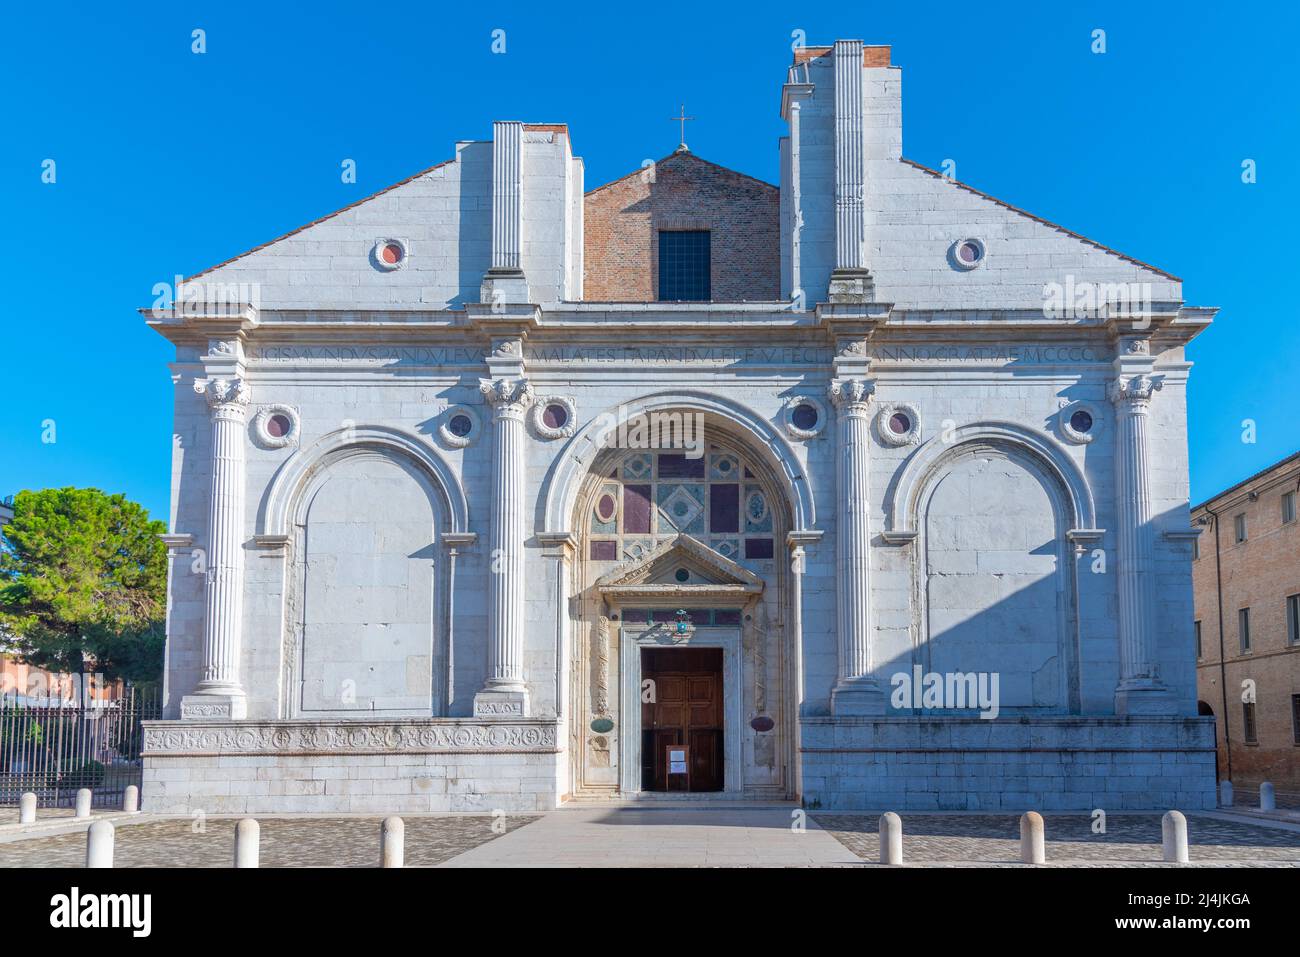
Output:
(56, 750)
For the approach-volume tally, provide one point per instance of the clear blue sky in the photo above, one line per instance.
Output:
(168, 162)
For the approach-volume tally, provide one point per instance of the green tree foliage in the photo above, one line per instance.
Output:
(83, 584)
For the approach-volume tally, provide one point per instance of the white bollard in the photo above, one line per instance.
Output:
(392, 842)
(248, 837)
(1267, 801)
(99, 844)
(891, 838)
(1225, 793)
(1031, 838)
(131, 799)
(27, 808)
(83, 803)
(1173, 832)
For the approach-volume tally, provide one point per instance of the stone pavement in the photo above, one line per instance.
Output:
(286, 842)
(663, 835)
(1130, 839)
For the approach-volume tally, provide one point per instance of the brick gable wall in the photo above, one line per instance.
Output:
(622, 220)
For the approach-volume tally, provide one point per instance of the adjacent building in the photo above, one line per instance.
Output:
(861, 488)
(1246, 575)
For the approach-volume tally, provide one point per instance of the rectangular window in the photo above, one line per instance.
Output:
(1196, 548)
(684, 266)
(1295, 718)
(1288, 508)
(1293, 619)
(1196, 627)
(1248, 723)
(1239, 528)
(1243, 629)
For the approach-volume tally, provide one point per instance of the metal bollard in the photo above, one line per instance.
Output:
(99, 844)
(1031, 838)
(1173, 832)
(891, 838)
(1225, 793)
(83, 803)
(248, 838)
(1267, 801)
(392, 842)
(131, 799)
(27, 808)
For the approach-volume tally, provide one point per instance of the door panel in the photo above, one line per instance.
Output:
(687, 710)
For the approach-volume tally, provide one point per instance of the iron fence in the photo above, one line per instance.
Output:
(56, 750)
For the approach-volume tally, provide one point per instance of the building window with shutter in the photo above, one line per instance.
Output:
(1243, 629)
(1295, 718)
(1196, 627)
(1239, 528)
(1288, 508)
(1293, 619)
(1249, 733)
(684, 266)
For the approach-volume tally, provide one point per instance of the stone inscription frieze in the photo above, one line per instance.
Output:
(348, 737)
(678, 355)
(991, 354)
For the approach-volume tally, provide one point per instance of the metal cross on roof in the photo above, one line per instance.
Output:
(682, 119)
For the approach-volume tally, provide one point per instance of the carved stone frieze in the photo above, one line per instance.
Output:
(409, 736)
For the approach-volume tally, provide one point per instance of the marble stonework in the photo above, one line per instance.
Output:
(421, 532)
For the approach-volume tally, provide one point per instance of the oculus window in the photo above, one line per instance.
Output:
(684, 265)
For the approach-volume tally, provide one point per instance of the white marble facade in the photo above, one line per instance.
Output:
(404, 573)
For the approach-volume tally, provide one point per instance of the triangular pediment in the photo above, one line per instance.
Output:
(680, 566)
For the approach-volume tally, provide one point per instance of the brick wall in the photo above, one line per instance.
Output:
(621, 246)
(1258, 574)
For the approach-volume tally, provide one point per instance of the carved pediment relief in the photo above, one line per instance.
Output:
(678, 567)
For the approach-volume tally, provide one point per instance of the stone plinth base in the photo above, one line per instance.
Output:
(403, 766)
(1009, 764)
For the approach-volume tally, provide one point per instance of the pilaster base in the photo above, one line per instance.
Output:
(208, 707)
(1145, 698)
(852, 285)
(501, 704)
(501, 286)
(863, 697)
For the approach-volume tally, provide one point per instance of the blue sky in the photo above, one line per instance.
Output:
(168, 162)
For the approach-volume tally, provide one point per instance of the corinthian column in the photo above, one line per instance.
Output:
(856, 690)
(1140, 690)
(505, 692)
(219, 694)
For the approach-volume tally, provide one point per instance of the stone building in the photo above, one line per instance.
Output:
(1246, 579)
(863, 488)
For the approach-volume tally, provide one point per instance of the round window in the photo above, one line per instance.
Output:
(804, 417)
(460, 425)
(279, 425)
(391, 253)
(968, 253)
(899, 423)
(555, 416)
(682, 575)
(1081, 421)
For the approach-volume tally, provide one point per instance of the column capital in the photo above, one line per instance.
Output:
(510, 397)
(226, 392)
(1135, 390)
(851, 396)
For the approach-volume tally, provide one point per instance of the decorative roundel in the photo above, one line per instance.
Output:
(1080, 422)
(459, 426)
(602, 725)
(762, 724)
(968, 253)
(682, 575)
(805, 417)
(389, 254)
(554, 417)
(606, 507)
(276, 426)
(898, 423)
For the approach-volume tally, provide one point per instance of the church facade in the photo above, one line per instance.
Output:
(862, 489)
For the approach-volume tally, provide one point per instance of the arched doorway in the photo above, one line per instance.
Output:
(679, 595)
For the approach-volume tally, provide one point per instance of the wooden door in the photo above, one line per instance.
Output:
(687, 709)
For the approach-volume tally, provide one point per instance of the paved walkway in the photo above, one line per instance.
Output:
(664, 835)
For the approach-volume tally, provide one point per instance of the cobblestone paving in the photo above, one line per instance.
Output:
(1129, 839)
(286, 842)
(9, 815)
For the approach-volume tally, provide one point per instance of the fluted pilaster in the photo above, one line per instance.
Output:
(1140, 689)
(856, 690)
(505, 692)
(219, 693)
